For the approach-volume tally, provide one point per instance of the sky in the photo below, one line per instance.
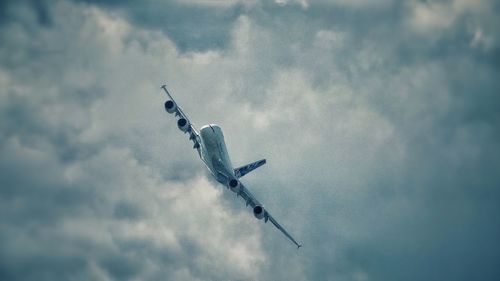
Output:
(379, 121)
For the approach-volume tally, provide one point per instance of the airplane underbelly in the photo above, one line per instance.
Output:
(215, 153)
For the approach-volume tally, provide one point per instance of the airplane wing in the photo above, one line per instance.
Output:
(183, 122)
(187, 127)
(253, 202)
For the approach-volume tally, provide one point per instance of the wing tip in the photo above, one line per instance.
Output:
(298, 246)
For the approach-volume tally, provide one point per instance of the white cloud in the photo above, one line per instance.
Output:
(127, 66)
(437, 17)
(352, 130)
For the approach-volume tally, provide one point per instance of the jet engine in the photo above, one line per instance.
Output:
(234, 185)
(258, 212)
(183, 124)
(170, 106)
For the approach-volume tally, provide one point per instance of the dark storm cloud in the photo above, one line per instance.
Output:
(191, 27)
(65, 199)
(379, 123)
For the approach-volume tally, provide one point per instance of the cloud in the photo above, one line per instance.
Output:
(75, 200)
(379, 125)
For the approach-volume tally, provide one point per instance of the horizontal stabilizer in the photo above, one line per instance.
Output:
(241, 171)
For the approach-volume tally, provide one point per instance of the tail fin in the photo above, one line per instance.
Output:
(243, 170)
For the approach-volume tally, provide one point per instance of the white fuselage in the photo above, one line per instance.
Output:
(214, 153)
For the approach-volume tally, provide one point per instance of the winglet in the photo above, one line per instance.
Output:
(164, 87)
(298, 246)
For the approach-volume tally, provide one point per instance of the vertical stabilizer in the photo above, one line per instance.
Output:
(241, 171)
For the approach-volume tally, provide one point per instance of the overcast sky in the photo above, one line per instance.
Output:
(380, 121)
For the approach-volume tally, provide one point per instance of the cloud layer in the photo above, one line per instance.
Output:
(379, 123)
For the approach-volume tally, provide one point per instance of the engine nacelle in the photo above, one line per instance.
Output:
(234, 185)
(170, 106)
(259, 212)
(183, 124)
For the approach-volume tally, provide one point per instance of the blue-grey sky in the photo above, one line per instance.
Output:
(380, 121)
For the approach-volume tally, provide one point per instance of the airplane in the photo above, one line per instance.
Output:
(209, 142)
